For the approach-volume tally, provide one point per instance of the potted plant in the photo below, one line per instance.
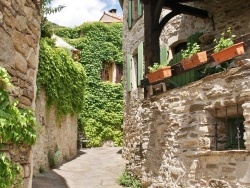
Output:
(225, 48)
(158, 72)
(192, 57)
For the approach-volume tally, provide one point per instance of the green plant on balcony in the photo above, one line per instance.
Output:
(192, 57)
(225, 49)
(225, 41)
(158, 72)
(190, 51)
(155, 67)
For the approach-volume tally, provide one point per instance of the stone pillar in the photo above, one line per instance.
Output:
(246, 113)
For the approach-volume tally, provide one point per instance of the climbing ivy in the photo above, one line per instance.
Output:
(63, 79)
(10, 173)
(17, 127)
(102, 114)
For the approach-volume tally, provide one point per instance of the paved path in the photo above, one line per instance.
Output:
(93, 168)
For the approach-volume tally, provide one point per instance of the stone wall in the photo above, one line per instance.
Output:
(169, 139)
(53, 133)
(19, 46)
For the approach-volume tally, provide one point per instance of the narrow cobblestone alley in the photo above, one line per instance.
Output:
(93, 168)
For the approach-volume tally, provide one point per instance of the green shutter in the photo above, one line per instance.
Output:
(164, 55)
(139, 6)
(176, 59)
(129, 14)
(140, 63)
(128, 72)
(194, 38)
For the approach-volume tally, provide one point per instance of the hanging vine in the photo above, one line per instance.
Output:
(63, 79)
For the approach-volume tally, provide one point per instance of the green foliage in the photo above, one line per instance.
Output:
(46, 26)
(191, 50)
(70, 33)
(54, 157)
(225, 41)
(16, 126)
(128, 181)
(102, 114)
(47, 9)
(10, 173)
(156, 67)
(63, 79)
(41, 170)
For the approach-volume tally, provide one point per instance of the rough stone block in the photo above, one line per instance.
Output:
(32, 58)
(20, 63)
(6, 48)
(24, 100)
(20, 42)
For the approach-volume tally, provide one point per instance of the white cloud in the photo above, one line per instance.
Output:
(78, 11)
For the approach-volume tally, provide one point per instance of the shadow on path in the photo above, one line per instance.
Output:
(51, 179)
(92, 168)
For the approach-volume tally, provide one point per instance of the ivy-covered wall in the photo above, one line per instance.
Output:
(102, 114)
(61, 90)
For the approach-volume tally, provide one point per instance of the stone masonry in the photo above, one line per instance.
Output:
(19, 46)
(169, 139)
(53, 133)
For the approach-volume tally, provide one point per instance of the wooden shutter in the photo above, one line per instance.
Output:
(139, 6)
(176, 59)
(129, 14)
(128, 63)
(140, 64)
(164, 55)
(194, 38)
(118, 73)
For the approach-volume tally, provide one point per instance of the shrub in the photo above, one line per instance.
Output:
(128, 181)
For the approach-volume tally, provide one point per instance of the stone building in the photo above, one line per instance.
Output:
(19, 47)
(197, 132)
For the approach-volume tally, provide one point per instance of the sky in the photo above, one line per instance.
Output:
(78, 11)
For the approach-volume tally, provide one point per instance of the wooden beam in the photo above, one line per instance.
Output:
(172, 4)
(165, 20)
(157, 12)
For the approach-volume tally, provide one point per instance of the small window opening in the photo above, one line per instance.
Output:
(229, 128)
(179, 47)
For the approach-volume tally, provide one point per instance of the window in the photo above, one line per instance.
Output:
(119, 71)
(135, 69)
(179, 47)
(111, 72)
(107, 69)
(235, 130)
(135, 10)
(229, 128)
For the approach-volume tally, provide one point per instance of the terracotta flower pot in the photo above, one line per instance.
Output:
(229, 53)
(159, 74)
(196, 60)
(199, 58)
(187, 64)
